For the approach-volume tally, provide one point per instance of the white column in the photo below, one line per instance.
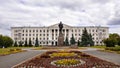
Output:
(65, 34)
(54, 36)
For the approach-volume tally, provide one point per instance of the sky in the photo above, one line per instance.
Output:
(16, 13)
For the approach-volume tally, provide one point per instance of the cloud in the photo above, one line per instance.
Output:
(48, 12)
(115, 21)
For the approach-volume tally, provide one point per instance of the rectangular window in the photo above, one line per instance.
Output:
(75, 30)
(75, 34)
(36, 30)
(29, 30)
(40, 31)
(47, 42)
(33, 30)
(15, 38)
(72, 30)
(103, 30)
(47, 30)
(15, 30)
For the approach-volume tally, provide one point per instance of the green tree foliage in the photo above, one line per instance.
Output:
(91, 42)
(1, 41)
(86, 38)
(20, 43)
(114, 39)
(15, 44)
(26, 44)
(109, 42)
(36, 42)
(78, 43)
(72, 40)
(30, 43)
(5, 41)
(119, 41)
(66, 41)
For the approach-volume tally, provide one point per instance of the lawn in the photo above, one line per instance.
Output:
(11, 50)
(115, 49)
(101, 47)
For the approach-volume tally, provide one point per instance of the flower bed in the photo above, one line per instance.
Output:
(67, 62)
(62, 55)
(79, 60)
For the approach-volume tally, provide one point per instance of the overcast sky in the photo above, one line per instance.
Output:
(49, 12)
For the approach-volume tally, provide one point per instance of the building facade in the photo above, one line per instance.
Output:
(49, 35)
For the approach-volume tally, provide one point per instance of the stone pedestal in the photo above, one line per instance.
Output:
(61, 40)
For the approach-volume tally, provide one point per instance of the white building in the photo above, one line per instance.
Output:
(49, 35)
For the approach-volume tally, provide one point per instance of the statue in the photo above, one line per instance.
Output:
(61, 36)
(60, 27)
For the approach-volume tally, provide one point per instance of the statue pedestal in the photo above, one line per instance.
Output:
(61, 40)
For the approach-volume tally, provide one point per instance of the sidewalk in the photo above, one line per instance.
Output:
(111, 57)
(10, 60)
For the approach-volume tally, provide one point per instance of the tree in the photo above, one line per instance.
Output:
(109, 42)
(66, 41)
(7, 41)
(15, 44)
(78, 43)
(30, 43)
(86, 38)
(26, 44)
(72, 40)
(1, 41)
(119, 41)
(36, 42)
(115, 37)
(20, 43)
(91, 42)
